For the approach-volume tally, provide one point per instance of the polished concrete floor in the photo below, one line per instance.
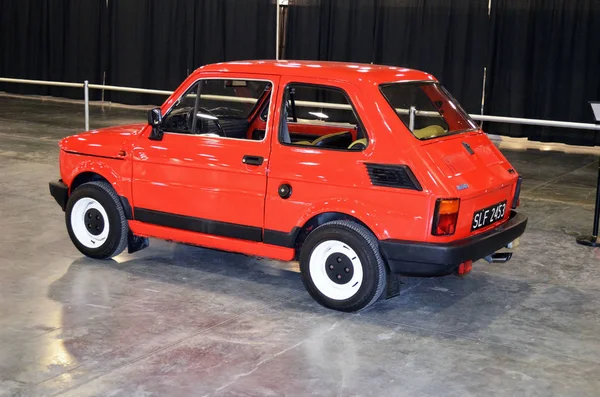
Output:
(175, 320)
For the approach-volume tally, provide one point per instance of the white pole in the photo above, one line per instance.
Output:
(483, 90)
(86, 98)
(41, 82)
(544, 123)
(277, 29)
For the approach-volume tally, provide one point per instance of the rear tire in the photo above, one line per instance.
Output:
(341, 266)
(96, 221)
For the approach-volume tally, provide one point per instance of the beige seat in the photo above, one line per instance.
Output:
(358, 144)
(429, 132)
(322, 140)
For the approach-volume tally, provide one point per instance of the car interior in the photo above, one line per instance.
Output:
(321, 117)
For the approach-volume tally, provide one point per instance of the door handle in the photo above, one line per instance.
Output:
(253, 160)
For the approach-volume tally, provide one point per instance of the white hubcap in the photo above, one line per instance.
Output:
(333, 260)
(89, 222)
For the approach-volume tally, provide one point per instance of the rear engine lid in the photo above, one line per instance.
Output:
(475, 171)
(469, 164)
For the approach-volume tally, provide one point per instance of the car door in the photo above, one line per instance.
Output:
(208, 173)
(308, 176)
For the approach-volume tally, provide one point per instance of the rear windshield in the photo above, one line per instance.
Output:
(427, 109)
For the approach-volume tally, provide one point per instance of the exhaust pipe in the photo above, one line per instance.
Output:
(499, 257)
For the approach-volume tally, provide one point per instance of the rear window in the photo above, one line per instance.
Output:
(427, 109)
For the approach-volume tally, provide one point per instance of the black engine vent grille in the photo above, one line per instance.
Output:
(399, 176)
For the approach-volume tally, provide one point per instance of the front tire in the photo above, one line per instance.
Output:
(341, 266)
(96, 221)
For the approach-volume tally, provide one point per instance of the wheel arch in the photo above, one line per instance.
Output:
(84, 177)
(320, 219)
(92, 169)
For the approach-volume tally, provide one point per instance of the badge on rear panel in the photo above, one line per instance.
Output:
(462, 187)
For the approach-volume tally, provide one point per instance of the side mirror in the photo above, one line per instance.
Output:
(155, 120)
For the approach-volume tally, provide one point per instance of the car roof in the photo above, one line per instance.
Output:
(349, 71)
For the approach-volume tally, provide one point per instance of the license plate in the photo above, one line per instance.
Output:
(489, 215)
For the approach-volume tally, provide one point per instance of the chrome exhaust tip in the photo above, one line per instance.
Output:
(499, 257)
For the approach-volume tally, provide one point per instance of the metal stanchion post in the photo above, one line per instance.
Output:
(86, 98)
(592, 241)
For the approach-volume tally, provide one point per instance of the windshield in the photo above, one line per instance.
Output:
(427, 109)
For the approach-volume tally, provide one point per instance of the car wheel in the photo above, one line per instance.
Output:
(96, 221)
(341, 266)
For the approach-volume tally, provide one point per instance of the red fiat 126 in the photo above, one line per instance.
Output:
(360, 172)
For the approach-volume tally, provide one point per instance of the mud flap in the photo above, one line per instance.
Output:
(392, 288)
(136, 243)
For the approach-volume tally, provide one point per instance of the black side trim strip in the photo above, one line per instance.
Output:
(95, 155)
(199, 225)
(281, 239)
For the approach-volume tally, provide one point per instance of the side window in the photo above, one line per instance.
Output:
(219, 108)
(320, 116)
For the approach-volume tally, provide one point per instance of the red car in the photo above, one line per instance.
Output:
(358, 171)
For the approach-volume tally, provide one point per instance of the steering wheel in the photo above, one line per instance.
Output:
(208, 115)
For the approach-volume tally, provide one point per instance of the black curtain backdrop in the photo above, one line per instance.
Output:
(151, 45)
(156, 44)
(230, 30)
(545, 64)
(542, 56)
(447, 38)
(137, 43)
(333, 30)
(51, 40)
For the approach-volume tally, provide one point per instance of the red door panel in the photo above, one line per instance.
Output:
(201, 177)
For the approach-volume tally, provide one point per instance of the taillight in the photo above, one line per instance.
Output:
(445, 217)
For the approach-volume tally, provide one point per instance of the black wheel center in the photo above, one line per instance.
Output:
(339, 268)
(94, 221)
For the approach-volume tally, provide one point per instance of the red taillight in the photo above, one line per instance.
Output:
(445, 217)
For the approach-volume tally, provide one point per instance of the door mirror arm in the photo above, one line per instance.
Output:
(155, 120)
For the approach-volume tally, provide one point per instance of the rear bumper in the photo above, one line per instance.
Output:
(429, 259)
(60, 192)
